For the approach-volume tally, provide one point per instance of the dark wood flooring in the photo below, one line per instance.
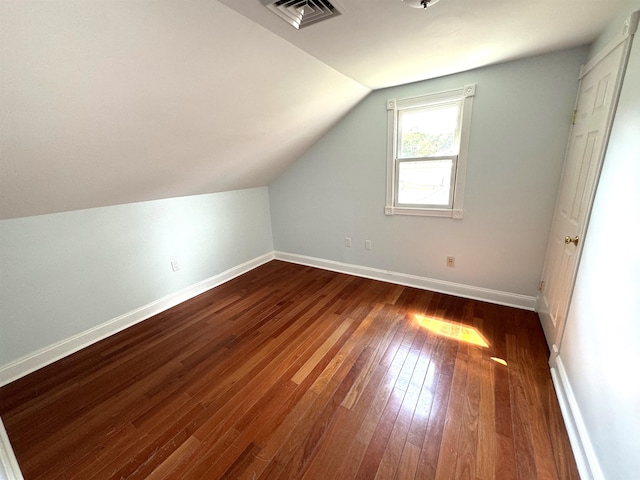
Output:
(295, 372)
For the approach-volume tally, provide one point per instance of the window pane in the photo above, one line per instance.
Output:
(428, 131)
(424, 182)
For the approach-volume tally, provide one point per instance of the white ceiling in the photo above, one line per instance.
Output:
(381, 43)
(110, 102)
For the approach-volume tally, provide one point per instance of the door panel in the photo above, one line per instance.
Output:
(597, 97)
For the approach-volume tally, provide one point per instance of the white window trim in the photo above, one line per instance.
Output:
(465, 94)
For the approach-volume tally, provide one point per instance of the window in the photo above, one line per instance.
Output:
(427, 153)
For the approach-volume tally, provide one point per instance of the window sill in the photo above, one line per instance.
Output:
(456, 214)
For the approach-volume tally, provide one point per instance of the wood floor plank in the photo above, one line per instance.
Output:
(487, 448)
(562, 454)
(378, 443)
(391, 457)
(408, 462)
(321, 351)
(387, 326)
(453, 422)
(294, 372)
(467, 450)
(541, 440)
(430, 453)
(505, 457)
(342, 433)
(305, 450)
(384, 402)
(225, 416)
(522, 436)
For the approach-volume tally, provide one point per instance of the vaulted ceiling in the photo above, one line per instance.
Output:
(109, 102)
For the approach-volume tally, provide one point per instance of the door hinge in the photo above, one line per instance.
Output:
(541, 286)
(573, 117)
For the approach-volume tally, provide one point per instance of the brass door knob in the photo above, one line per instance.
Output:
(574, 240)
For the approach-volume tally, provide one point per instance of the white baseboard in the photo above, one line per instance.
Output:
(588, 465)
(9, 469)
(466, 291)
(52, 353)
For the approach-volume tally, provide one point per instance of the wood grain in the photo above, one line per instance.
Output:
(294, 372)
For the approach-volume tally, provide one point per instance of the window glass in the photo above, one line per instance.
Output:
(428, 131)
(425, 182)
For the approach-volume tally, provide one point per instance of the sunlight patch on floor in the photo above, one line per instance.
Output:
(456, 331)
(499, 360)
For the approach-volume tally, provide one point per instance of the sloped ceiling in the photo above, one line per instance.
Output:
(111, 102)
(106, 102)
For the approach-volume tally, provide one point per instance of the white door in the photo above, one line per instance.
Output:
(597, 97)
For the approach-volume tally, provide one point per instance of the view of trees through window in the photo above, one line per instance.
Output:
(421, 144)
(428, 131)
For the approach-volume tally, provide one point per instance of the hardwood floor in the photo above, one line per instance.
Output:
(295, 372)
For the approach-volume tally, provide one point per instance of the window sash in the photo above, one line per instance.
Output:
(452, 182)
(401, 130)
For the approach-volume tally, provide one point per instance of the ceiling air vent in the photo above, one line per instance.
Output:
(301, 13)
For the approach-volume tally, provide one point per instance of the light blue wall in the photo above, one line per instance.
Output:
(600, 349)
(65, 273)
(520, 125)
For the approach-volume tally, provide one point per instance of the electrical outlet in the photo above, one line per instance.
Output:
(451, 261)
(175, 266)
(367, 244)
(347, 242)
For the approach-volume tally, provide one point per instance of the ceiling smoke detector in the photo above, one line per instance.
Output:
(302, 13)
(420, 3)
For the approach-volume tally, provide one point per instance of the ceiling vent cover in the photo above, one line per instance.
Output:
(302, 13)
